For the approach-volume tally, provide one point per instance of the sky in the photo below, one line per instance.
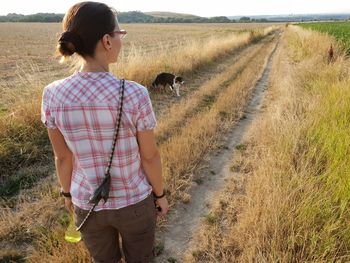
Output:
(206, 8)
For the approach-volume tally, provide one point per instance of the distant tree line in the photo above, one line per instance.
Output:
(39, 17)
(129, 17)
(246, 19)
(139, 17)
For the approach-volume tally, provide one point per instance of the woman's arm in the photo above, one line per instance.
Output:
(151, 162)
(63, 158)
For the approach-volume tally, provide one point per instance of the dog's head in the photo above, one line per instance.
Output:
(179, 80)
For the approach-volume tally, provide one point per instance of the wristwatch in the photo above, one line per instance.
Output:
(158, 196)
(65, 194)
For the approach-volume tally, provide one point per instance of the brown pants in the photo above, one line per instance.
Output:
(135, 224)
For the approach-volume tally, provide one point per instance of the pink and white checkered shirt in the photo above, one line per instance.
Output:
(84, 108)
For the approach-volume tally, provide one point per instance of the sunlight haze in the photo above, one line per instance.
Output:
(206, 9)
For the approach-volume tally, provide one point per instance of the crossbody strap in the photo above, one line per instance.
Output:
(116, 132)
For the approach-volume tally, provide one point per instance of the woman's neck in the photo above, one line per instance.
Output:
(94, 66)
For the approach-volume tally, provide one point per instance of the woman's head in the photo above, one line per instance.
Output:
(89, 28)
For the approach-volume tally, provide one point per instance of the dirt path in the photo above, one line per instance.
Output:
(185, 218)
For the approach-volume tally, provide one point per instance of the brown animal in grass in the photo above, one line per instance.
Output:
(330, 54)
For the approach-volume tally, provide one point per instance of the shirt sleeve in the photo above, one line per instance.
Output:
(146, 119)
(46, 114)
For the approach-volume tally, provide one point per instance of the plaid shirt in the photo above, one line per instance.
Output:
(84, 108)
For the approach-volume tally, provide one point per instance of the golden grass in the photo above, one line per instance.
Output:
(289, 203)
(22, 139)
(142, 66)
(38, 227)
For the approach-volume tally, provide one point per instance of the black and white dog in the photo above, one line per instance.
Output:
(173, 81)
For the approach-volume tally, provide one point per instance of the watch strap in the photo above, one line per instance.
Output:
(65, 194)
(158, 196)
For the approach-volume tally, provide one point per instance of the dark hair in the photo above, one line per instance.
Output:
(84, 25)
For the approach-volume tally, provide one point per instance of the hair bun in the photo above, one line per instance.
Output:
(69, 43)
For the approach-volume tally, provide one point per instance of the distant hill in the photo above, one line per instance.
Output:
(170, 14)
(297, 17)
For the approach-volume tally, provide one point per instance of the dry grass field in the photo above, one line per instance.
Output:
(287, 201)
(22, 141)
(217, 61)
(28, 48)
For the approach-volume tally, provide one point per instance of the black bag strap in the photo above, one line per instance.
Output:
(108, 168)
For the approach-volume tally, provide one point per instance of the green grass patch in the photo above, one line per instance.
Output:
(159, 248)
(211, 218)
(199, 180)
(241, 147)
(321, 158)
(340, 30)
(172, 260)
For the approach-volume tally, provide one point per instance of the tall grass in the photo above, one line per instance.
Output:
(23, 142)
(291, 203)
(142, 66)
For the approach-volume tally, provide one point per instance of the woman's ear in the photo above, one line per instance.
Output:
(106, 42)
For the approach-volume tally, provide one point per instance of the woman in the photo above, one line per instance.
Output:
(80, 113)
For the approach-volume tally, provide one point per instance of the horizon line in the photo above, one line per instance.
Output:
(280, 14)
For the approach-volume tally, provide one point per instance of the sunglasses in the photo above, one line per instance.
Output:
(122, 33)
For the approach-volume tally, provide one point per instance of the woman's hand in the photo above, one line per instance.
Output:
(164, 206)
(69, 204)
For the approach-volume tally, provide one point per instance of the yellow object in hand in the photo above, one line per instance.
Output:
(72, 235)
